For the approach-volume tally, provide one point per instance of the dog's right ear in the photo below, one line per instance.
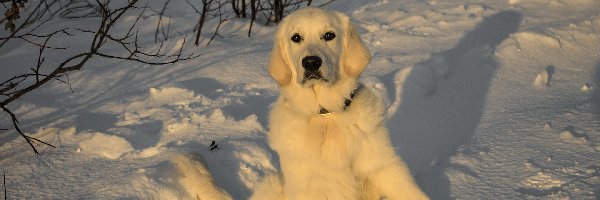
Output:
(279, 68)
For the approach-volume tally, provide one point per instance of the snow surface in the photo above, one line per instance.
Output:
(487, 100)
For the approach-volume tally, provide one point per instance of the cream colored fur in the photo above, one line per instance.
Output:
(196, 179)
(344, 155)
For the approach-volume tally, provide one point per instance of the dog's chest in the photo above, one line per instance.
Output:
(322, 136)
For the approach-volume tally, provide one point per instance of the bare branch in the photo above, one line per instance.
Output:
(17, 86)
(158, 24)
(30, 140)
(35, 14)
(128, 47)
(253, 10)
(4, 178)
(218, 27)
(205, 6)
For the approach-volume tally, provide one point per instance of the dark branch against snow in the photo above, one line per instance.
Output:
(19, 85)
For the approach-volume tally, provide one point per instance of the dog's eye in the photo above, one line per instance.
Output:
(296, 38)
(329, 36)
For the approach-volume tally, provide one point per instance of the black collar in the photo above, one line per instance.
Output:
(347, 102)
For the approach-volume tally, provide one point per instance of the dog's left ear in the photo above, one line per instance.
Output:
(355, 56)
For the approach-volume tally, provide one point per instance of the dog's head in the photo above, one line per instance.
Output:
(315, 46)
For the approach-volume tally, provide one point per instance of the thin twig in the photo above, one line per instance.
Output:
(218, 26)
(5, 193)
(15, 87)
(30, 140)
(159, 23)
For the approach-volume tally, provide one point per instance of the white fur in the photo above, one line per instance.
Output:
(196, 178)
(343, 155)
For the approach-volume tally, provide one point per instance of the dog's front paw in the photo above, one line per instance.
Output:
(323, 195)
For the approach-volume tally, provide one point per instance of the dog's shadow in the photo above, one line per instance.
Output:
(595, 97)
(441, 101)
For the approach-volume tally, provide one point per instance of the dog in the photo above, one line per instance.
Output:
(328, 129)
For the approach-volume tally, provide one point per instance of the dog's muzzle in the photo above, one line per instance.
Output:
(311, 65)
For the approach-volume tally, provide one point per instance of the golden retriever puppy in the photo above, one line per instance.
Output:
(328, 130)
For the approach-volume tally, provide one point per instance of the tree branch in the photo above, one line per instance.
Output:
(5, 193)
(30, 140)
(20, 85)
(125, 42)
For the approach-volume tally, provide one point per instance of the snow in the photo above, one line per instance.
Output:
(493, 99)
(543, 78)
(109, 146)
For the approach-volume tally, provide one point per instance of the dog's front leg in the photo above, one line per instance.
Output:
(394, 182)
(313, 179)
(383, 173)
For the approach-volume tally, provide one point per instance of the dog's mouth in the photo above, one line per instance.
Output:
(311, 78)
(312, 75)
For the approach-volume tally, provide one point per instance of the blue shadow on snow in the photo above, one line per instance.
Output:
(428, 129)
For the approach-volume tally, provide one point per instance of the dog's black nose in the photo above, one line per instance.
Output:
(311, 63)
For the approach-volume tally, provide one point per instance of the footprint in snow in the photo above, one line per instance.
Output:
(540, 185)
(586, 87)
(542, 79)
(570, 134)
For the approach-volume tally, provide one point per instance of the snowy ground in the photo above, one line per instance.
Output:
(487, 100)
